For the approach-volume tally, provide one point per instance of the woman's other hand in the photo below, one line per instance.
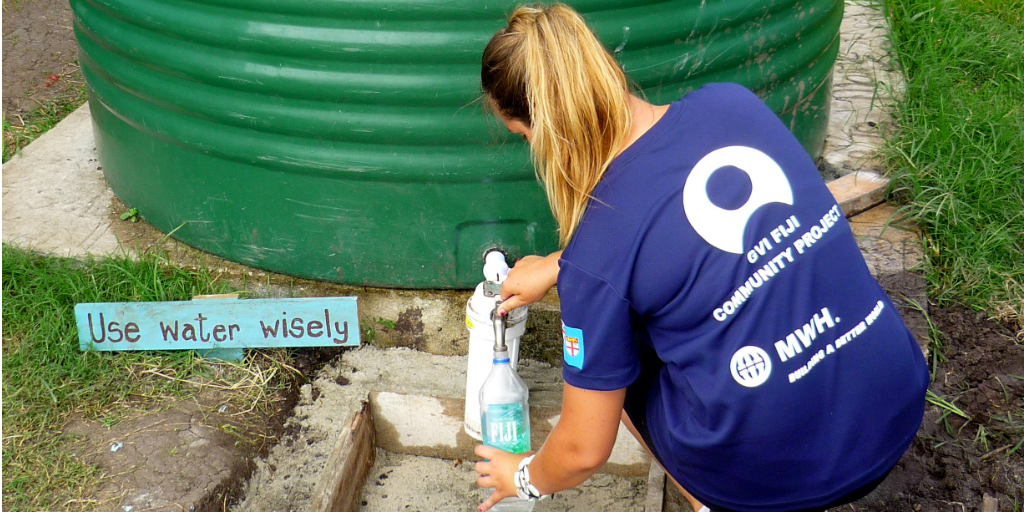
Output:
(528, 281)
(496, 472)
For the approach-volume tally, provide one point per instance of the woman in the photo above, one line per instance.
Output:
(713, 297)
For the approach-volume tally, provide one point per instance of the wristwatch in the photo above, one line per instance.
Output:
(524, 489)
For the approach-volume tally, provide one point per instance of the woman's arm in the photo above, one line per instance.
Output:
(528, 281)
(575, 449)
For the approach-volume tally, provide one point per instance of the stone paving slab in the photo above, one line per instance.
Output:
(863, 85)
(55, 199)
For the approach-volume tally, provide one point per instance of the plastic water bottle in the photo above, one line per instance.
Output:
(505, 417)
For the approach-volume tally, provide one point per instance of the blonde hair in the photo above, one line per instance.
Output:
(548, 70)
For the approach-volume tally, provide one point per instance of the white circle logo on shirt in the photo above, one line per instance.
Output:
(723, 228)
(751, 366)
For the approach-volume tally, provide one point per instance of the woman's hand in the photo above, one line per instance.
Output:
(496, 472)
(528, 281)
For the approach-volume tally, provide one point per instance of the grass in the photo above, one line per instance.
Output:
(47, 380)
(958, 155)
(19, 132)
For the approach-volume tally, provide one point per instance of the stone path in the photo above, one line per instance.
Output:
(863, 84)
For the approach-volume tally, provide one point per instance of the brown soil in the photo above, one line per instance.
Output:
(194, 454)
(40, 55)
(955, 462)
(950, 467)
(167, 455)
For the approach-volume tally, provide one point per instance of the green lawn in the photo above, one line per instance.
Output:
(18, 133)
(47, 379)
(958, 152)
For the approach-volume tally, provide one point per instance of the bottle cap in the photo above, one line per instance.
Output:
(501, 357)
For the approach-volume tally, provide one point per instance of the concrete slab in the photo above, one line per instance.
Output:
(655, 501)
(416, 406)
(339, 487)
(406, 482)
(863, 85)
(55, 200)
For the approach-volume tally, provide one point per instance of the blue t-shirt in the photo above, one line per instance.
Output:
(789, 379)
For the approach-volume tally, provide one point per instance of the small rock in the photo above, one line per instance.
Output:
(989, 504)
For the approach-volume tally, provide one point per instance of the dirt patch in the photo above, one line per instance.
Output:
(954, 462)
(192, 454)
(40, 54)
(187, 453)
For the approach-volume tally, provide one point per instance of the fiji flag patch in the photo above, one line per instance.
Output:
(572, 346)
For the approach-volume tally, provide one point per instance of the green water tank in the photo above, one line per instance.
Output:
(342, 139)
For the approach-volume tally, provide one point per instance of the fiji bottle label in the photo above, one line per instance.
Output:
(505, 427)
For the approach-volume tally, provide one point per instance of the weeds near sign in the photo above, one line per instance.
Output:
(47, 379)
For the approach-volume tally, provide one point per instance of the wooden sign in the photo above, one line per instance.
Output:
(218, 324)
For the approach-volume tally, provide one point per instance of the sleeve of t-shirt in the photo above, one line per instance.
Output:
(597, 337)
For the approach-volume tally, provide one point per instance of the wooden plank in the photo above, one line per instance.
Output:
(655, 489)
(218, 324)
(217, 296)
(858, 191)
(231, 355)
(340, 489)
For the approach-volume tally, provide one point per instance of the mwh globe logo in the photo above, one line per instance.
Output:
(751, 366)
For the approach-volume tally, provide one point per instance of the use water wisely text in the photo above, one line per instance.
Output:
(218, 323)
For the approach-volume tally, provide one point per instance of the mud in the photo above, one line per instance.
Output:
(195, 445)
(955, 462)
(194, 453)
